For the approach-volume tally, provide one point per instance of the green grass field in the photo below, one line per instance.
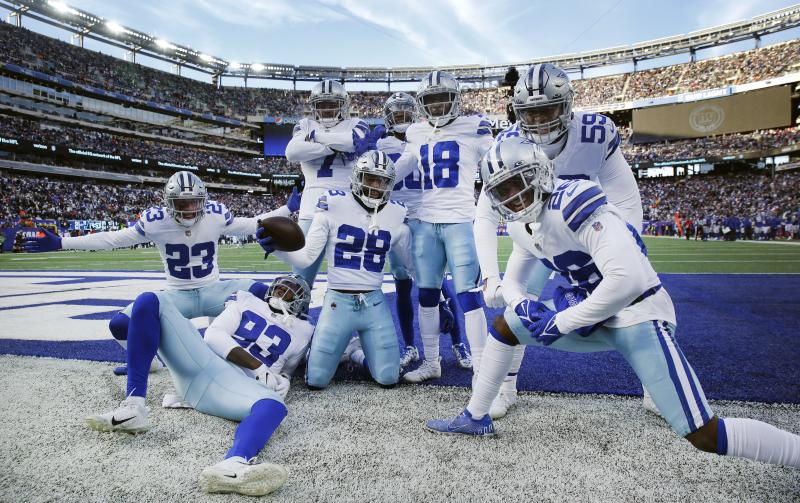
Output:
(667, 255)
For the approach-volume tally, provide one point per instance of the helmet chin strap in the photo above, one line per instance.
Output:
(281, 306)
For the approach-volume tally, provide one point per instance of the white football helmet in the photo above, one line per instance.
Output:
(289, 295)
(543, 103)
(185, 195)
(518, 177)
(372, 179)
(439, 98)
(330, 103)
(399, 112)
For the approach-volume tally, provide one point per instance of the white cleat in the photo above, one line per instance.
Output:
(648, 403)
(430, 369)
(236, 475)
(174, 401)
(129, 417)
(502, 403)
(410, 355)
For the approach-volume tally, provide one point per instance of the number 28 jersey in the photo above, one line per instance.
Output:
(356, 255)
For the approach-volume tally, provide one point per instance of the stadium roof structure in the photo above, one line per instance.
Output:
(84, 24)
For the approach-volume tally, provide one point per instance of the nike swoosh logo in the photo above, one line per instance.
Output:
(114, 422)
(230, 476)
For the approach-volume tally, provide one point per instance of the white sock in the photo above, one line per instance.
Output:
(494, 368)
(477, 332)
(510, 382)
(358, 357)
(748, 438)
(429, 331)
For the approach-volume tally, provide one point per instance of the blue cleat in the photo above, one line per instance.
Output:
(122, 370)
(463, 424)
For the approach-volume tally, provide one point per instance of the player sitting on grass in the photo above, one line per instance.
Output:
(239, 372)
(357, 228)
(616, 303)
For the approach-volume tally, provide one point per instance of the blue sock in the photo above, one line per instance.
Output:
(405, 310)
(256, 429)
(258, 289)
(144, 336)
(119, 326)
(450, 295)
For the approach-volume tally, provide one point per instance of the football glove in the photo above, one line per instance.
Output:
(293, 203)
(278, 383)
(46, 243)
(376, 134)
(564, 298)
(360, 144)
(539, 320)
(493, 292)
(265, 242)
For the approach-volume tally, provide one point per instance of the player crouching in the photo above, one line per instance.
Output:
(239, 372)
(357, 228)
(617, 303)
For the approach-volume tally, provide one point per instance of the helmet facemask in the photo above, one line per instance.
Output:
(545, 122)
(399, 116)
(439, 106)
(187, 211)
(372, 188)
(519, 193)
(288, 295)
(328, 110)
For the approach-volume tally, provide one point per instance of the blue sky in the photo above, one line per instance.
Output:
(413, 32)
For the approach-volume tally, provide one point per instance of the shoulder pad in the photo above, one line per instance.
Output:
(577, 200)
(484, 126)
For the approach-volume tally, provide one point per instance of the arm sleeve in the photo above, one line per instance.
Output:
(406, 163)
(341, 141)
(107, 240)
(518, 270)
(244, 226)
(316, 239)
(485, 229)
(300, 150)
(219, 335)
(624, 277)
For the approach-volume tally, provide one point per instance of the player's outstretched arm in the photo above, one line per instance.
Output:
(246, 226)
(485, 230)
(303, 146)
(98, 241)
(316, 239)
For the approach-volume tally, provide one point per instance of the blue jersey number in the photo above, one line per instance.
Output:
(325, 171)
(445, 165)
(377, 245)
(578, 268)
(251, 327)
(592, 130)
(214, 208)
(154, 214)
(178, 260)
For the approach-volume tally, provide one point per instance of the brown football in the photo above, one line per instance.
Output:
(286, 234)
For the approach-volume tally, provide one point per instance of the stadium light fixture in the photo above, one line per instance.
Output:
(114, 26)
(234, 66)
(258, 67)
(164, 44)
(206, 57)
(61, 7)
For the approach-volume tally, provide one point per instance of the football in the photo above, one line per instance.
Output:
(286, 234)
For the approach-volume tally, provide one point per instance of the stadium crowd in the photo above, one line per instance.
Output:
(32, 50)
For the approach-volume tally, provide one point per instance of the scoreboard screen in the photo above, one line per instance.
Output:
(276, 137)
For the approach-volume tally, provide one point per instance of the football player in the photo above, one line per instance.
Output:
(446, 149)
(582, 146)
(358, 228)
(186, 231)
(617, 303)
(239, 372)
(326, 145)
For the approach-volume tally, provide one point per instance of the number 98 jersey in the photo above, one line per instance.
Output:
(189, 254)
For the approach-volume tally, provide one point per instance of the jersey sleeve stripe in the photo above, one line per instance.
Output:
(579, 200)
(228, 219)
(585, 211)
(484, 130)
(612, 147)
(139, 228)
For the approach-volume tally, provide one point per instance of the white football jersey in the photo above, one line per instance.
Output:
(249, 323)
(407, 190)
(592, 153)
(356, 255)
(326, 157)
(447, 158)
(587, 240)
(189, 254)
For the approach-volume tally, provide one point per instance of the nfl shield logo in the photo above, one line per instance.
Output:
(597, 226)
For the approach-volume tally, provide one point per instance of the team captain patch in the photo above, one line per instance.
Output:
(597, 226)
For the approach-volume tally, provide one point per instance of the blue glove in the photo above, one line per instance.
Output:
(539, 320)
(265, 242)
(46, 243)
(376, 134)
(446, 318)
(564, 298)
(293, 203)
(361, 145)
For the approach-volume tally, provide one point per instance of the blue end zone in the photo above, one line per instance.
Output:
(739, 332)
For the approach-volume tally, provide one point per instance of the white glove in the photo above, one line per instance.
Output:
(278, 383)
(493, 292)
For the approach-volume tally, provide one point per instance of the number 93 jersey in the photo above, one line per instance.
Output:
(189, 254)
(447, 158)
(355, 253)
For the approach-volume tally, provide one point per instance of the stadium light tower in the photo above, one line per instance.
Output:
(114, 27)
(258, 67)
(164, 44)
(61, 7)
(206, 57)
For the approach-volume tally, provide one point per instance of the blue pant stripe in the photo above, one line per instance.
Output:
(673, 374)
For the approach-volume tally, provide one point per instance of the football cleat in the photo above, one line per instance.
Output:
(130, 417)
(463, 356)
(236, 475)
(428, 370)
(463, 424)
(410, 355)
(502, 403)
(155, 366)
(174, 401)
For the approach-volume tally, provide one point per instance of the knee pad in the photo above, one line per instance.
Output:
(119, 326)
(258, 289)
(146, 304)
(469, 301)
(429, 297)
